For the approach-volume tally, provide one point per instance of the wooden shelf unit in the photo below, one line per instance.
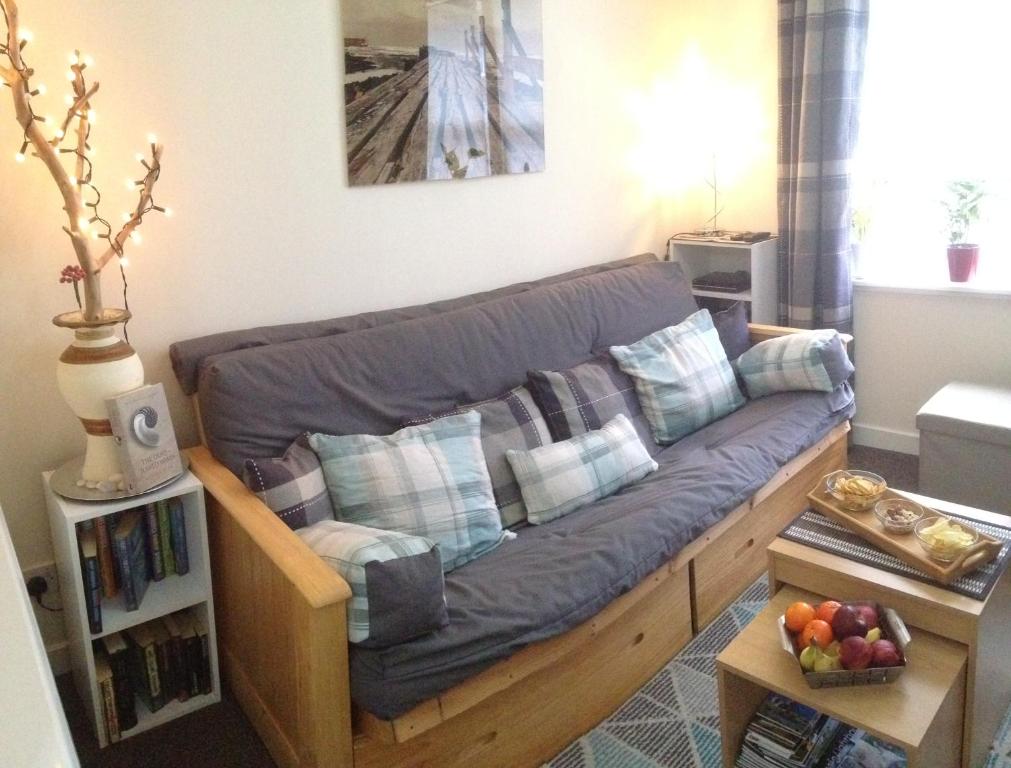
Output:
(700, 257)
(173, 593)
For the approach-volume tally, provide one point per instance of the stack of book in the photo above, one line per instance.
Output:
(121, 553)
(158, 661)
(786, 734)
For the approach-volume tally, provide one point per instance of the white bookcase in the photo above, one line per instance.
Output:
(173, 593)
(700, 257)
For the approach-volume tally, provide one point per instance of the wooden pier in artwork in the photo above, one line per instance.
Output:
(450, 116)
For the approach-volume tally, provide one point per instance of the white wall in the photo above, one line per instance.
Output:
(245, 96)
(909, 344)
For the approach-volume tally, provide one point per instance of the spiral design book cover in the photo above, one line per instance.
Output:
(145, 439)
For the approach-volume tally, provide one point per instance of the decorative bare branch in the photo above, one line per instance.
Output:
(80, 230)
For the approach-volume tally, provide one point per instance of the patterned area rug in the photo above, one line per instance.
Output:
(673, 721)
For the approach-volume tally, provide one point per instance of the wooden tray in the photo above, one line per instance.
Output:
(906, 546)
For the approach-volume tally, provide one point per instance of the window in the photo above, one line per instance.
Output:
(934, 111)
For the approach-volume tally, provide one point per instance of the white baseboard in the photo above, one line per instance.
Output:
(886, 439)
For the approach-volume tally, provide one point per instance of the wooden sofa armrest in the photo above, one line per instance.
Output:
(759, 332)
(281, 616)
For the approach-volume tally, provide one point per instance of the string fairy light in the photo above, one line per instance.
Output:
(81, 196)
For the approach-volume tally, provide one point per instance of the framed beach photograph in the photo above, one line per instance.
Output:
(442, 89)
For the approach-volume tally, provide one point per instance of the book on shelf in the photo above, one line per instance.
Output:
(144, 666)
(190, 650)
(107, 695)
(165, 531)
(204, 658)
(129, 544)
(156, 560)
(177, 523)
(91, 577)
(118, 654)
(177, 658)
(145, 441)
(106, 560)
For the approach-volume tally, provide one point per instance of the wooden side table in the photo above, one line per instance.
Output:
(981, 627)
(921, 712)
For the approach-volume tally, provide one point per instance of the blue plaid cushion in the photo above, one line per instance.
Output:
(397, 589)
(562, 477)
(291, 485)
(429, 481)
(682, 377)
(814, 360)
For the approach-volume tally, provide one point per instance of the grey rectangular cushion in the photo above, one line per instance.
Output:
(188, 356)
(585, 560)
(254, 401)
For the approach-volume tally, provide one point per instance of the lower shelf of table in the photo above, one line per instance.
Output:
(920, 712)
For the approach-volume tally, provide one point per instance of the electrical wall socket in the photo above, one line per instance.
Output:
(50, 621)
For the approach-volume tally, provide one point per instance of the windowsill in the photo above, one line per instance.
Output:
(941, 289)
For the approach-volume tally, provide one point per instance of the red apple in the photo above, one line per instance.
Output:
(855, 653)
(886, 654)
(847, 622)
(869, 614)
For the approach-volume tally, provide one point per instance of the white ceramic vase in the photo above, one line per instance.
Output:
(98, 365)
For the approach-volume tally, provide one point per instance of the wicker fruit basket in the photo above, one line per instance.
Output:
(892, 628)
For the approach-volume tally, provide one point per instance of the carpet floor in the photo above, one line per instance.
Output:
(672, 721)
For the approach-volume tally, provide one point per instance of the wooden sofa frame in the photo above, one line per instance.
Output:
(282, 636)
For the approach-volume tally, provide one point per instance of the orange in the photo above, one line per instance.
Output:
(825, 611)
(818, 632)
(798, 615)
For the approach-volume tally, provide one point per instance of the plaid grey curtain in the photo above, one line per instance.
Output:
(821, 62)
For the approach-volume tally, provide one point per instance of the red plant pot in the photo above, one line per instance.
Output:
(963, 259)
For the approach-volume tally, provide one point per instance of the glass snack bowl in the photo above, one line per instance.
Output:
(898, 515)
(943, 539)
(856, 490)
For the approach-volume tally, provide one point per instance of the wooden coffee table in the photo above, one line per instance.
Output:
(922, 711)
(983, 628)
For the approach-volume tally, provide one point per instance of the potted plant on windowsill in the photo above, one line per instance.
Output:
(962, 206)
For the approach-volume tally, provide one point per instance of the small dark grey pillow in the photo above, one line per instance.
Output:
(732, 327)
(397, 587)
(292, 485)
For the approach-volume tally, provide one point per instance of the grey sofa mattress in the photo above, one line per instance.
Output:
(554, 577)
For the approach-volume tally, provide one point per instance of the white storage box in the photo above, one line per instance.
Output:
(965, 446)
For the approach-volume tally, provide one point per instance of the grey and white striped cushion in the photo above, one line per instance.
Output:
(586, 397)
(292, 486)
(397, 588)
(429, 481)
(682, 377)
(814, 360)
(560, 478)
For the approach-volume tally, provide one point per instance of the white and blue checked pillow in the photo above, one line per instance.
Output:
(292, 485)
(508, 421)
(397, 587)
(682, 377)
(560, 478)
(813, 360)
(429, 481)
